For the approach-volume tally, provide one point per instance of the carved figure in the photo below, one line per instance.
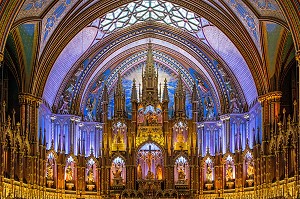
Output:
(118, 173)
(150, 175)
(209, 106)
(90, 108)
(159, 117)
(181, 173)
(140, 118)
(209, 174)
(250, 171)
(229, 173)
(158, 172)
(90, 177)
(64, 105)
(234, 104)
(139, 171)
(69, 174)
(149, 160)
(49, 172)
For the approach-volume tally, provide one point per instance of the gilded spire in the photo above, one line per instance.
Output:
(119, 84)
(134, 97)
(119, 99)
(150, 70)
(166, 93)
(180, 99)
(150, 80)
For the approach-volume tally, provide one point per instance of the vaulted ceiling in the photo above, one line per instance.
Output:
(69, 48)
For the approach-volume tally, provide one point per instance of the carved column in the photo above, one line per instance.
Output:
(297, 170)
(226, 123)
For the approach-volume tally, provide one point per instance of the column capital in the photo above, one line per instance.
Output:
(275, 95)
(29, 98)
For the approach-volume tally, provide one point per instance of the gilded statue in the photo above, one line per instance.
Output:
(90, 177)
(149, 160)
(49, 172)
(229, 173)
(250, 171)
(118, 173)
(209, 174)
(150, 175)
(181, 173)
(69, 174)
(180, 137)
(158, 172)
(139, 171)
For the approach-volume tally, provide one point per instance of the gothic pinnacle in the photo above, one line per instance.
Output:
(165, 93)
(134, 92)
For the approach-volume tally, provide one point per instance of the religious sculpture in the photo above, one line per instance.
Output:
(158, 172)
(209, 106)
(90, 108)
(234, 104)
(159, 117)
(139, 171)
(229, 173)
(49, 172)
(209, 174)
(150, 175)
(90, 177)
(250, 171)
(63, 105)
(118, 173)
(69, 174)
(140, 118)
(181, 173)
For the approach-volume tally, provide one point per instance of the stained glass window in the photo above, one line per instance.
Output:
(155, 10)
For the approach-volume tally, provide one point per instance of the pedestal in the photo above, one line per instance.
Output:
(250, 182)
(230, 185)
(50, 183)
(69, 185)
(208, 186)
(90, 187)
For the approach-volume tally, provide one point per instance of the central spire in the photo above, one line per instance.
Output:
(150, 80)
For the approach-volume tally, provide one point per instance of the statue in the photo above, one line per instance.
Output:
(69, 174)
(139, 171)
(180, 136)
(209, 174)
(229, 173)
(149, 160)
(250, 171)
(234, 104)
(181, 173)
(150, 175)
(64, 105)
(209, 107)
(140, 118)
(90, 177)
(90, 108)
(159, 117)
(118, 173)
(158, 172)
(49, 172)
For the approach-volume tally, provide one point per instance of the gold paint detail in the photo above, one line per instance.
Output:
(150, 133)
(270, 96)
